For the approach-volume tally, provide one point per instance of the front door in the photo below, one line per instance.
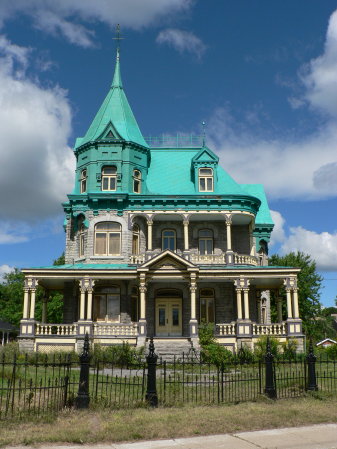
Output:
(168, 317)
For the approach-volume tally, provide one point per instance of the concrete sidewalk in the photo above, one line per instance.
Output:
(321, 436)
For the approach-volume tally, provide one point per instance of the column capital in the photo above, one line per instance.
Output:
(193, 288)
(149, 221)
(228, 222)
(186, 222)
(242, 283)
(142, 288)
(290, 282)
(31, 283)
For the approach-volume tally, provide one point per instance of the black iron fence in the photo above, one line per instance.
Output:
(41, 384)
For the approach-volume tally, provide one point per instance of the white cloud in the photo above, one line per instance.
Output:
(63, 17)
(36, 164)
(183, 41)
(4, 269)
(278, 234)
(322, 247)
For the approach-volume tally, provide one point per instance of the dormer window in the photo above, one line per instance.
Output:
(137, 178)
(205, 179)
(109, 179)
(83, 181)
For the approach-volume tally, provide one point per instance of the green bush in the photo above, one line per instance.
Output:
(331, 352)
(123, 354)
(206, 334)
(260, 348)
(245, 355)
(289, 349)
(216, 354)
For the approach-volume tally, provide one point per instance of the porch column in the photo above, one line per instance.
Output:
(246, 302)
(193, 320)
(279, 309)
(289, 305)
(25, 303)
(239, 302)
(32, 303)
(229, 235)
(44, 308)
(149, 234)
(295, 302)
(186, 242)
(3, 338)
(142, 331)
(90, 290)
(82, 302)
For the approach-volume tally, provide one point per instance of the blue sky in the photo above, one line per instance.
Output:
(263, 76)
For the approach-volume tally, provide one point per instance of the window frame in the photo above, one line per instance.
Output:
(104, 291)
(109, 177)
(135, 250)
(209, 299)
(137, 180)
(174, 236)
(109, 234)
(81, 237)
(205, 178)
(83, 180)
(206, 239)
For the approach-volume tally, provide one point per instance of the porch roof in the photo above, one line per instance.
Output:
(87, 266)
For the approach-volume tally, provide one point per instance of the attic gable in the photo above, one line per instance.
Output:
(205, 157)
(168, 260)
(109, 132)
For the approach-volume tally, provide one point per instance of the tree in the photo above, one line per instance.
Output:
(309, 284)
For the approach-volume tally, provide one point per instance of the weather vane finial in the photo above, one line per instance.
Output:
(118, 36)
(203, 133)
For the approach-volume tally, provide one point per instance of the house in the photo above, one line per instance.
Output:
(326, 343)
(159, 238)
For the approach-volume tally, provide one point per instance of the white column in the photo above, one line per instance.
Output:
(289, 305)
(239, 302)
(32, 303)
(246, 302)
(193, 289)
(25, 303)
(229, 235)
(82, 303)
(89, 305)
(3, 338)
(186, 243)
(295, 300)
(149, 234)
(142, 291)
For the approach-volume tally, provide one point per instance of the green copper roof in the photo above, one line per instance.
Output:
(263, 216)
(170, 173)
(114, 115)
(88, 266)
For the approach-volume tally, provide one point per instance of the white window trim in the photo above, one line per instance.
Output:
(206, 178)
(107, 232)
(174, 236)
(83, 180)
(109, 177)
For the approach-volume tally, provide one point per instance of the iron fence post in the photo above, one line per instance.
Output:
(82, 400)
(151, 389)
(311, 361)
(270, 389)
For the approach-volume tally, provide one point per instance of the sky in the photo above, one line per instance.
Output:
(261, 74)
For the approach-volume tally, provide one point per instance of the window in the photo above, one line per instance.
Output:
(205, 241)
(109, 179)
(81, 234)
(107, 239)
(169, 239)
(207, 305)
(137, 178)
(107, 303)
(135, 239)
(83, 181)
(134, 304)
(205, 179)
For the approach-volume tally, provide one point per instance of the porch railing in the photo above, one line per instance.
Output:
(137, 259)
(225, 329)
(244, 259)
(116, 329)
(276, 329)
(56, 329)
(207, 258)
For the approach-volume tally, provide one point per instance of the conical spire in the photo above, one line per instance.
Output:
(115, 113)
(117, 79)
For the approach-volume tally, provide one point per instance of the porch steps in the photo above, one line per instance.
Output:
(170, 348)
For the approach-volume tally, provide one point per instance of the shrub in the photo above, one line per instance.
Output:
(289, 349)
(331, 352)
(245, 355)
(206, 334)
(260, 348)
(216, 354)
(121, 355)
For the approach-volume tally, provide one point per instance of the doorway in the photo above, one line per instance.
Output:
(168, 317)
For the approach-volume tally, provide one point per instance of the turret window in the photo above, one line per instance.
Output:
(205, 241)
(81, 235)
(83, 181)
(205, 179)
(169, 239)
(108, 236)
(109, 179)
(137, 178)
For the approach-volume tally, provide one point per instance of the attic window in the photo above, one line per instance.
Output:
(205, 179)
(137, 177)
(83, 181)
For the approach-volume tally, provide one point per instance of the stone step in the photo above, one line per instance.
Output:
(168, 349)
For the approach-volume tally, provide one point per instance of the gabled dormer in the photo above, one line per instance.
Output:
(204, 170)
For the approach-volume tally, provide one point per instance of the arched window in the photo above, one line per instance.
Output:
(169, 239)
(207, 305)
(135, 239)
(81, 236)
(205, 241)
(107, 303)
(109, 179)
(137, 179)
(108, 239)
(205, 179)
(83, 181)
